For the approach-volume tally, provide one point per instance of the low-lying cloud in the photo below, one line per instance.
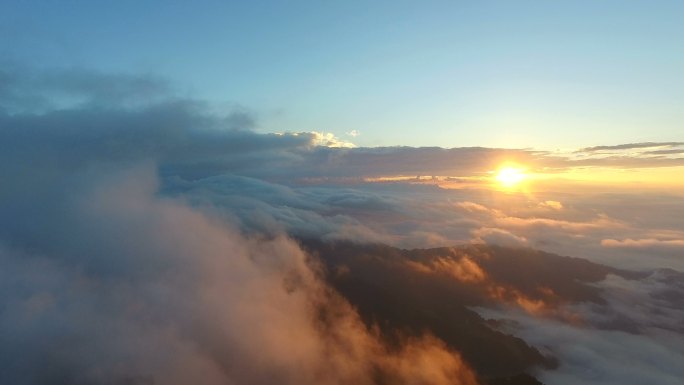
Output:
(677, 244)
(145, 238)
(633, 338)
(136, 288)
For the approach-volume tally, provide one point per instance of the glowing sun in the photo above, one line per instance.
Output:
(510, 176)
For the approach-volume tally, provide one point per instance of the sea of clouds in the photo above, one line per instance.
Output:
(145, 238)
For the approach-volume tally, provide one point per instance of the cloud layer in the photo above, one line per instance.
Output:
(133, 288)
(145, 238)
(634, 338)
(106, 281)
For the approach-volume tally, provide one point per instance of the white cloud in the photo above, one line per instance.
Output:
(551, 205)
(327, 139)
(498, 237)
(634, 338)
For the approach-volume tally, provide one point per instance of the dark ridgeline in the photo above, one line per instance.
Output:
(383, 283)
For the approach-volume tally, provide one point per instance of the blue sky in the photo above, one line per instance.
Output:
(536, 74)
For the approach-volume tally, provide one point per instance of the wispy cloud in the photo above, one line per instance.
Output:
(632, 146)
(645, 243)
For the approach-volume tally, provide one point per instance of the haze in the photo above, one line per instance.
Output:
(456, 192)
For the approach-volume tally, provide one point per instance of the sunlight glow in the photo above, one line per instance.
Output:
(510, 176)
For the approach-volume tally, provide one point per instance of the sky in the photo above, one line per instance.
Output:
(462, 192)
(546, 75)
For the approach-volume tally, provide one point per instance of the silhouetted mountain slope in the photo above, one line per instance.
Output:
(411, 292)
(519, 379)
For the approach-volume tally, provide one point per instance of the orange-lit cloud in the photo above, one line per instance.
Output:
(551, 204)
(150, 289)
(644, 243)
(498, 237)
(463, 269)
(155, 240)
(466, 270)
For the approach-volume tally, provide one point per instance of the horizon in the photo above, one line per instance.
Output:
(386, 193)
(493, 73)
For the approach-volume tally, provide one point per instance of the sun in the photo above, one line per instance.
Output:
(510, 176)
